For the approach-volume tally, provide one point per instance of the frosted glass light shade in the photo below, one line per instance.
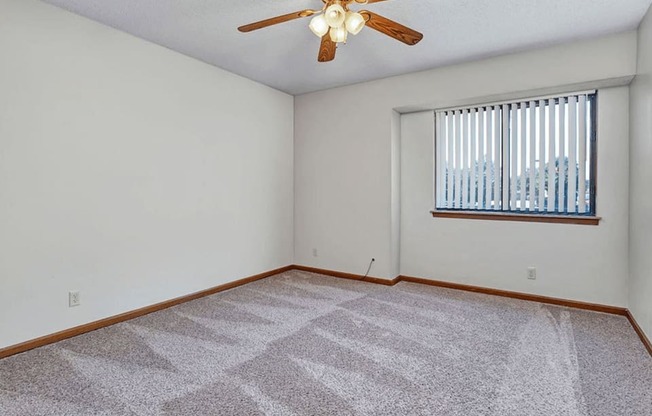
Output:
(335, 15)
(354, 22)
(338, 34)
(319, 26)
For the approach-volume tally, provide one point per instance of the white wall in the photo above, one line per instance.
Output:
(640, 179)
(573, 262)
(343, 199)
(128, 172)
(395, 196)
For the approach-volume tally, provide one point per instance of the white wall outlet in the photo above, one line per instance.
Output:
(532, 273)
(74, 299)
(314, 252)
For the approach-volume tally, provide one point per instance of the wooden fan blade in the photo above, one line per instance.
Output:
(276, 20)
(391, 28)
(327, 49)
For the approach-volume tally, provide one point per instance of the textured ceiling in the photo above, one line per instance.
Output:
(285, 56)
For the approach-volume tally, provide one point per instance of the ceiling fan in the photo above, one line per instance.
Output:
(335, 21)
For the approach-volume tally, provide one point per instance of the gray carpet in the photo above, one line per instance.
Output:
(304, 344)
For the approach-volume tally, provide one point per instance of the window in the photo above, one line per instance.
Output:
(534, 157)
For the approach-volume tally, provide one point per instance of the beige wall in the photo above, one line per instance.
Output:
(344, 192)
(128, 172)
(640, 294)
(135, 175)
(573, 261)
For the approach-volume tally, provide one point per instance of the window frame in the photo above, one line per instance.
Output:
(589, 218)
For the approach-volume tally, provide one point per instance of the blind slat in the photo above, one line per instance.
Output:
(449, 163)
(482, 160)
(458, 160)
(552, 128)
(582, 155)
(572, 155)
(522, 146)
(533, 154)
(542, 155)
(561, 161)
(439, 136)
(513, 144)
(497, 164)
(466, 154)
(473, 199)
(505, 157)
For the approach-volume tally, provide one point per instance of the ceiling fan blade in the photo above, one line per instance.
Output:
(368, 1)
(391, 28)
(327, 49)
(276, 20)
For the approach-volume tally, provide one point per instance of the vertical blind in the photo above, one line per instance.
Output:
(534, 156)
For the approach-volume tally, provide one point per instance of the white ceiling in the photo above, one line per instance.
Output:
(285, 56)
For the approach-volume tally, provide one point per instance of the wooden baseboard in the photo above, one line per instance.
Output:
(615, 310)
(350, 276)
(639, 331)
(92, 326)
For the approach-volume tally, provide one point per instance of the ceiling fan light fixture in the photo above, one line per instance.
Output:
(354, 22)
(334, 21)
(338, 34)
(319, 26)
(335, 15)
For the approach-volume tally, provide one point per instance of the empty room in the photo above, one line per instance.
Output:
(326, 207)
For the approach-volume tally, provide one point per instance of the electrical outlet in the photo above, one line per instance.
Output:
(73, 299)
(532, 273)
(314, 252)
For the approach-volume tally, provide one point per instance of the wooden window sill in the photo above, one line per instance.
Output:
(501, 216)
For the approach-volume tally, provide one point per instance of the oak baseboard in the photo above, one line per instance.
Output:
(615, 310)
(639, 331)
(595, 307)
(112, 320)
(349, 276)
(92, 326)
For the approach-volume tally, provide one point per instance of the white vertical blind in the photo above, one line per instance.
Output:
(531, 191)
(440, 145)
(458, 162)
(505, 146)
(482, 160)
(552, 129)
(473, 199)
(581, 157)
(561, 162)
(513, 145)
(571, 197)
(542, 156)
(527, 156)
(450, 145)
(522, 146)
(497, 163)
(465, 158)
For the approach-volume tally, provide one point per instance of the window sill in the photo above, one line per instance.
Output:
(499, 216)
